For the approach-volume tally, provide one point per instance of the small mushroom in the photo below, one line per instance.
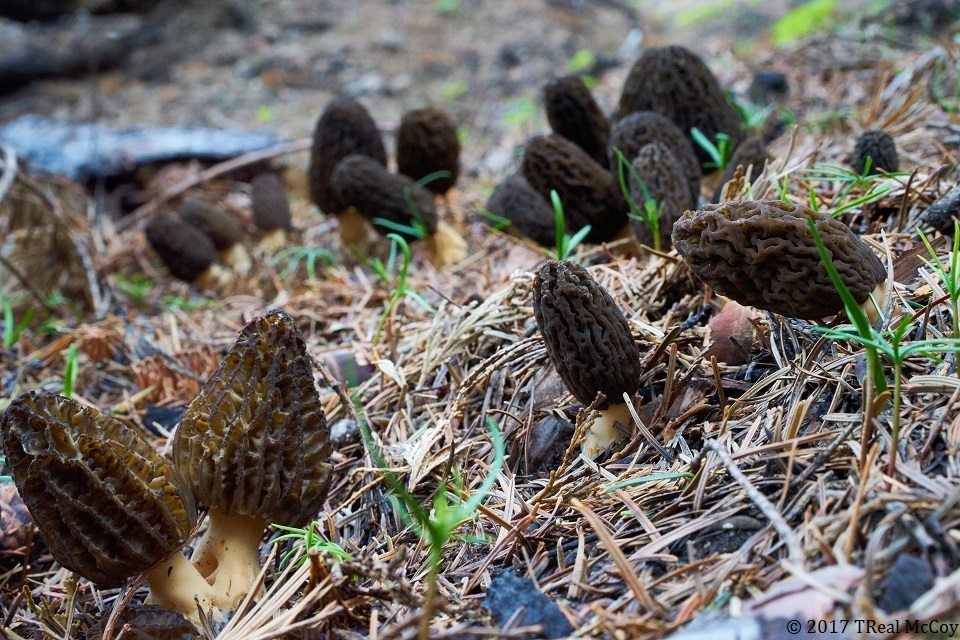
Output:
(427, 142)
(575, 115)
(880, 147)
(676, 82)
(515, 200)
(752, 152)
(763, 255)
(186, 251)
(271, 210)
(374, 192)
(589, 342)
(254, 449)
(660, 171)
(222, 228)
(107, 505)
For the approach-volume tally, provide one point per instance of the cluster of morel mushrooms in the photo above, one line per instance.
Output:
(253, 448)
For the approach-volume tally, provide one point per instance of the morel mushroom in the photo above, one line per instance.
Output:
(515, 200)
(186, 251)
(271, 210)
(344, 128)
(222, 228)
(880, 147)
(660, 171)
(752, 152)
(589, 342)
(254, 448)
(575, 115)
(763, 255)
(367, 186)
(674, 81)
(107, 505)
(588, 192)
(639, 129)
(427, 143)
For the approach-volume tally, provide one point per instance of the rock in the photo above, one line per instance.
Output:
(547, 441)
(344, 432)
(910, 577)
(507, 593)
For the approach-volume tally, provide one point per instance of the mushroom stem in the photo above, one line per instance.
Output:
(214, 277)
(354, 228)
(603, 432)
(176, 584)
(237, 258)
(274, 240)
(446, 247)
(228, 556)
(872, 310)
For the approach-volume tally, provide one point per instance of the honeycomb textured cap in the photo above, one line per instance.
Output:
(185, 250)
(220, 226)
(344, 128)
(575, 115)
(585, 333)
(763, 255)
(365, 184)
(878, 145)
(639, 129)
(515, 200)
(255, 442)
(661, 174)
(587, 191)
(107, 505)
(269, 203)
(427, 142)
(675, 81)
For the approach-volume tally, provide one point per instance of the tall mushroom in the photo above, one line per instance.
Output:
(427, 142)
(589, 342)
(271, 210)
(254, 448)
(107, 505)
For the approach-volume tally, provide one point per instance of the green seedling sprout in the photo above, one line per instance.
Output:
(652, 210)
(720, 151)
(566, 244)
(309, 255)
(872, 185)
(70, 370)
(436, 526)
(951, 278)
(401, 289)
(417, 228)
(136, 286)
(12, 330)
(497, 222)
(309, 538)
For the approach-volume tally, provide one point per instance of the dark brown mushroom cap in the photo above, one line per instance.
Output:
(661, 173)
(269, 203)
(637, 130)
(255, 442)
(106, 503)
(585, 333)
(184, 249)
(676, 82)
(427, 142)
(217, 224)
(365, 184)
(575, 115)
(879, 145)
(752, 151)
(587, 191)
(148, 622)
(515, 200)
(763, 255)
(345, 127)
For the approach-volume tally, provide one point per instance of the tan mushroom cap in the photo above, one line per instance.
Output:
(107, 505)
(255, 442)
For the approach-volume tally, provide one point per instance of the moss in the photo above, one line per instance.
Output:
(575, 115)
(427, 142)
(184, 250)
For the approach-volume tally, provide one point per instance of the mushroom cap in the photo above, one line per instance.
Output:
(365, 184)
(639, 129)
(345, 127)
(184, 249)
(763, 255)
(427, 142)
(148, 622)
(878, 145)
(575, 115)
(660, 171)
(752, 151)
(586, 334)
(587, 191)
(107, 505)
(217, 224)
(515, 200)
(676, 82)
(255, 442)
(269, 203)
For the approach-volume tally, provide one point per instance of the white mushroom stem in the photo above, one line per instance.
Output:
(176, 584)
(446, 247)
(214, 277)
(237, 258)
(603, 431)
(228, 556)
(274, 240)
(354, 229)
(879, 295)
